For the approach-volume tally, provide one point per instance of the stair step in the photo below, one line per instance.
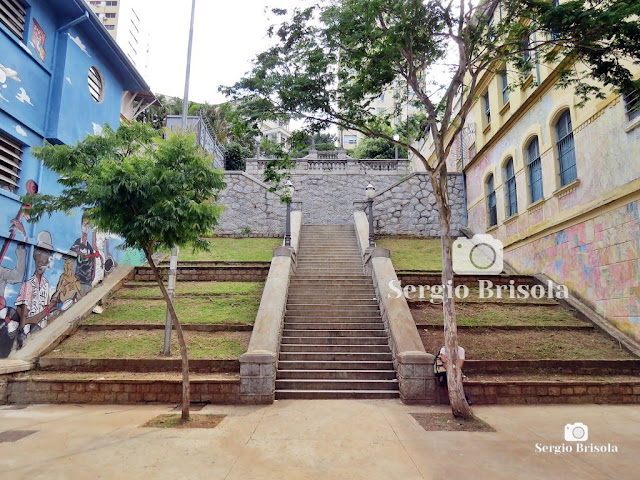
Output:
(335, 356)
(338, 294)
(335, 341)
(334, 365)
(334, 326)
(336, 394)
(330, 331)
(335, 302)
(313, 318)
(331, 384)
(306, 348)
(335, 309)
(337, 374)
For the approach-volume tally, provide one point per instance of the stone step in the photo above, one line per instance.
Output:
(336, 319)
(362, 291)
(330, 261)
(333, 325)
(328, 309)
(303, 340)
(306, 348)
(335, 356)
(338, 294)
(335, 365)
(337, 374)
(328, 271)
(336, 394)
(334, 301)
(332, 384)
(329, 331)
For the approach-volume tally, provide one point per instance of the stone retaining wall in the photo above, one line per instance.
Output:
(502, 393)
(136, 365)
(30, 391)
(409, 207)
(236, 272)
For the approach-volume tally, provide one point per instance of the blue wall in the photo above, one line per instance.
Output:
(50, 99)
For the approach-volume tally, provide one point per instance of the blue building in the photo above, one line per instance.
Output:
(62, 77)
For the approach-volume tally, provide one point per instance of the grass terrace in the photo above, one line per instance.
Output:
(232, 250)
(413, 253)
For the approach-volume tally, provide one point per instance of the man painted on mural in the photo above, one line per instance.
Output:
(33, 302)
(86, 259)
(69, 289)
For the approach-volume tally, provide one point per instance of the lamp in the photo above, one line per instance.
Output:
(371, 192)
(288, 192)
(396, 137)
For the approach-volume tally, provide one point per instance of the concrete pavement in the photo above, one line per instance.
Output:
(315, 439)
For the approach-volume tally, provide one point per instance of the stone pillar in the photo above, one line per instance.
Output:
(416, 377)
(258, 377)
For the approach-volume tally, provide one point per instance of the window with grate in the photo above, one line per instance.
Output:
(566, 150)
(511, 195)
(96, 84)
(13, 16)
(534, 163)
(632, 104)
(10, 158)
(492, 210)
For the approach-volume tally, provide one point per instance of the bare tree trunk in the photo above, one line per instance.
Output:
(186, 394)
(459, 405)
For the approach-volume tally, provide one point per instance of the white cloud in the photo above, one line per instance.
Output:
(23, 97)
(97, 129)
(68, 80)
(79, 43)
(21, 131)
(2, 98)
(8, 73)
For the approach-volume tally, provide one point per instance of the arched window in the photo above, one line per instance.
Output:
(566, 150)
(534, 164)
(511, 197)
(492, 211)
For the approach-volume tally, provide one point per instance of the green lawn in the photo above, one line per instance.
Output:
(233, 250)
(219, 309)
(141, 344)
(140, 290)
(486, 315)
(413, 253)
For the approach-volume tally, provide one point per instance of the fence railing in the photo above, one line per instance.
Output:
(325, 163)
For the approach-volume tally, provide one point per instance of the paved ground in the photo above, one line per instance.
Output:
(320, 439)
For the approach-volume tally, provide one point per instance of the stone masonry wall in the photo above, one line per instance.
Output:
(404, 206)
(409, 207)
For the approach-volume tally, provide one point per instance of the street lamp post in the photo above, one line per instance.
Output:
(288, 191)
(371, 192)
(173, 263)
(396, 137)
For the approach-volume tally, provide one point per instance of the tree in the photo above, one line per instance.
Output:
(150, 191)
(235, 156)
(332, 59)
(374, 147)
(300, 143)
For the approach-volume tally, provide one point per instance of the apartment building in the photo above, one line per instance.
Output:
(124, 19)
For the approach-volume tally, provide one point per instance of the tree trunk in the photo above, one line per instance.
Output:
(186, 394)
(459, 405)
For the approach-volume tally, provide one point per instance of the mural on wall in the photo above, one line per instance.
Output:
(29, 301)
(599, 259)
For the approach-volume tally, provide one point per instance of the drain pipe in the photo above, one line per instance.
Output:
(464, 178)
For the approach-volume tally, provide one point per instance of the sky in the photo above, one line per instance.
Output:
(228, 34)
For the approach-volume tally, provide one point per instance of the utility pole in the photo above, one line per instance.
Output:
(173, 264)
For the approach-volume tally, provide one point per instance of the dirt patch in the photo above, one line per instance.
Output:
(486, 314)
(446, 422)
(174, 421)
(529, 344)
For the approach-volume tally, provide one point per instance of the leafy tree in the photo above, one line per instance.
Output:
(375, 147)
(300, 143)
(152, 192)
(332, 59)
(235, 156)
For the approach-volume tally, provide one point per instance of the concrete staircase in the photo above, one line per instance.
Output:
(334, 344)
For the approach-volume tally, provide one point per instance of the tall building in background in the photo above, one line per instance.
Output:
(124, 19)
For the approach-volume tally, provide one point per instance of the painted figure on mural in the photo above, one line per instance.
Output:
(9, 326)
(86, 259)
(34, 300)
(69, 289)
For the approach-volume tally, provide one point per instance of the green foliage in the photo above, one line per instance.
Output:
(131, 182)
(235, 156)
(372, 147)
(333, 59)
